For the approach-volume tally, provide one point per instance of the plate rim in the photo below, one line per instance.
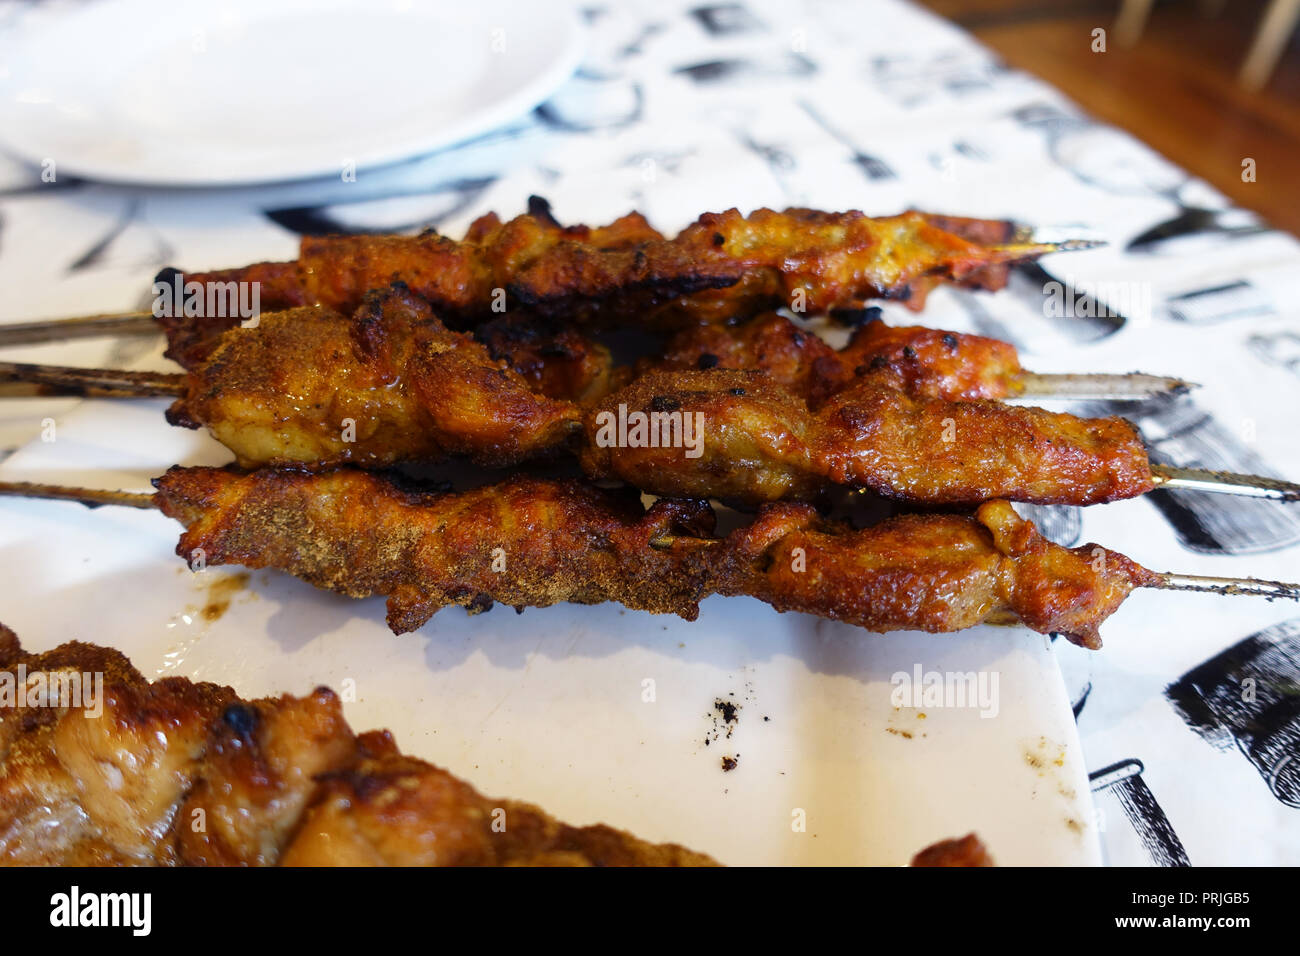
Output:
(570, 48)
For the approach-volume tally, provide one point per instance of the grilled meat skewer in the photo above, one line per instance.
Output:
(395, 385)
(923, 362)
(403, 388)
(753, 442)
(722, 266)
(533, 542)
(562, 362)
(276, 781)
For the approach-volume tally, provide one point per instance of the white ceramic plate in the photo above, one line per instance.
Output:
(552, 706)
(154, 91)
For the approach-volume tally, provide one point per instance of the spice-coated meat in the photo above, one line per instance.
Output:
(923, 362)
(721, 266)
(751, 441)
(393, 385)
(181, 773)
(965, 851)
(178, 773)
(532, 542)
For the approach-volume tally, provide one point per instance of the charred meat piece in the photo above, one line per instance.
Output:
(965, 851)
(310, 388)
(739, 437)
(178, 773)
(394, 385)
(927, 363)
(359, 534)
(555, 359)
(721, 266)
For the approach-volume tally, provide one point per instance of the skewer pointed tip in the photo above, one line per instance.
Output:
(1134, 386)
(1224, 483)
(1023, 251)
(1271, 590)
(1057, 238)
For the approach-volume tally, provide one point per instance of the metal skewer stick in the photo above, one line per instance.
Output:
(1225, 483)
(1059, 238)
(89, 326)
(90, 497)
(1173, 478)
(1133, 386)
(1032, 246)
(1230, 586)
(112, 381)
(116, 382)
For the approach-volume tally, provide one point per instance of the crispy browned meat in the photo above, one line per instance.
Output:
(360, 534)
(983, 232)
(397, 811)
(812, 261)
(965, 851)
(174, 773)
(528, 542)
(393, 385)
(923, 362)
(931, 573)
(459, 278)
(178, 773)
(556, 360)
(309, 387)
(721, 266)
(753, 441)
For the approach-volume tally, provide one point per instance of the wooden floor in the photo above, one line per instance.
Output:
(1176, 89)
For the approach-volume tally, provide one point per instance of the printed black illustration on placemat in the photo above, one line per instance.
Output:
(1101, 156)
(1032, 297)
(873, 167)
(37, 185)
(101, 251)
(1219, 303)
(1078, 315)
(1277, 348)
(1196, 222)
(636, 46)
(1124, 781)
(728, 19)
(1177, 431)
(398, 211)
(786, 65)
(1249, 697)
(779, 157)
(1080, 700)
(1076, 667)
(972, 151)
(912, 81)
